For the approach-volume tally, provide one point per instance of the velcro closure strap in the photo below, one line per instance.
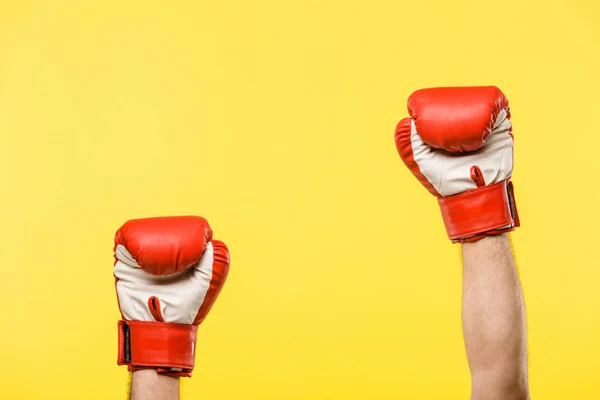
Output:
(487, 210)
(164, 346)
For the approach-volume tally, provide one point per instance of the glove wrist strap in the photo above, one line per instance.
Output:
(167, 347)
(488, 210)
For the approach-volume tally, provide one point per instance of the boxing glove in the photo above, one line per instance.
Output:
(168, 273)
(458, 143)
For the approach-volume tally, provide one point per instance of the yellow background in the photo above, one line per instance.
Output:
(275, 120)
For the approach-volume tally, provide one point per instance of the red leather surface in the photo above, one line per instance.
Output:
(165, 245)
(219, 276)
(456, 119)
(404, 146)
(482, 211)
(158, 345)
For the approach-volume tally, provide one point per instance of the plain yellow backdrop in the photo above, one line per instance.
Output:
(275, 120)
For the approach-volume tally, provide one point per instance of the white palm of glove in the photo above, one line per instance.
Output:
(180, 295)
(449, 173)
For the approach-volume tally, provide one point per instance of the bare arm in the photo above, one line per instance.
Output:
(494, 324)
(146, 384)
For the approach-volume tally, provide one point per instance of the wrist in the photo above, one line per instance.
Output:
(486, 249)
(488, 240)
(147, 384)
(151, 375)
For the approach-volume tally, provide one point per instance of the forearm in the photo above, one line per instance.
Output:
(148, 385)
(494, 320)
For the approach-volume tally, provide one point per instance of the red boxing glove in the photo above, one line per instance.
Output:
(168, 274)
(459, 145)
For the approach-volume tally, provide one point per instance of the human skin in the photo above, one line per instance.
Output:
(494, 323)
(146, 384)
